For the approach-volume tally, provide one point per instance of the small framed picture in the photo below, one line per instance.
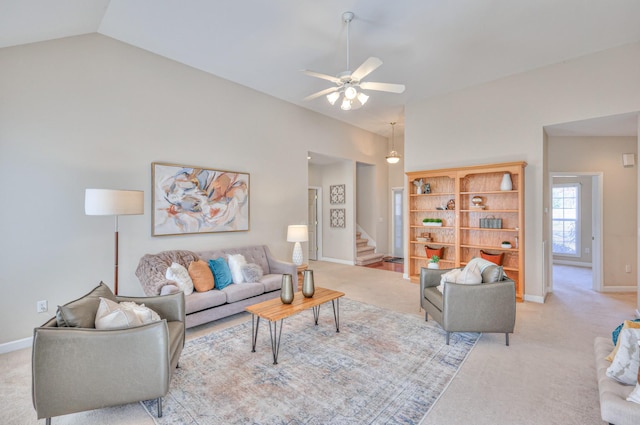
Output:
(337, 217)
(337, 194)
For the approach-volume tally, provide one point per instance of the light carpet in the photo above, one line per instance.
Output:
(382, 368)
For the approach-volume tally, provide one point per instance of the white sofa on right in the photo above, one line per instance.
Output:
(614, 407)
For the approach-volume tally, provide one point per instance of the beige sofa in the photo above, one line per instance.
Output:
(614, 407)
(77, 367)
(203, 307)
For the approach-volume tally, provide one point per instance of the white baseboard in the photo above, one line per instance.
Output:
(336, 260)
(7, 347)
(534, 298)
(619, 289)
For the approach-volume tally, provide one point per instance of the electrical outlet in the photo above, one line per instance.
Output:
(627, 268)
(587, 250)
(41, 306)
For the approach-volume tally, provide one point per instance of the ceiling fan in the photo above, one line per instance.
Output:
(347, 82)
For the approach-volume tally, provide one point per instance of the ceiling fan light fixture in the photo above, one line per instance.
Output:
(333, 97)
(350, 92)
(346, 104)
(363, 98)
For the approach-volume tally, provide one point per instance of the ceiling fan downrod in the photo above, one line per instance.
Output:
(347, 17)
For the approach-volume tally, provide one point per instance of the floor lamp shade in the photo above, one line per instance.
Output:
(115, 203)
(297, 233)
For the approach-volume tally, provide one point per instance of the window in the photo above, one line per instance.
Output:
(566, 219)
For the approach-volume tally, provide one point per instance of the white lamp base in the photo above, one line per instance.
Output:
(297, 254)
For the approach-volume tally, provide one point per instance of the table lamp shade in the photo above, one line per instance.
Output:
(297, 233)
(113, 202)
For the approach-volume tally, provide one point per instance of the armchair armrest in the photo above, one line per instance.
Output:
(486, 307)
(99, 368)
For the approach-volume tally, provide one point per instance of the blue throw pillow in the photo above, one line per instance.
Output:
(221, 272)
(617, 330)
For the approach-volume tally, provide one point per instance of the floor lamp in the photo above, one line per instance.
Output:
(116, 203)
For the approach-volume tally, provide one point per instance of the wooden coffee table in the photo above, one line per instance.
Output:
(274, 310)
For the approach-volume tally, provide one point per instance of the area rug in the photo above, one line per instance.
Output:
(382, 367)
(397, 260)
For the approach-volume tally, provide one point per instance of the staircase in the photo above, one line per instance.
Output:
(366, 254)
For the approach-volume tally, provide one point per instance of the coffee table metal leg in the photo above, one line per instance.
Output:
(336, 312)
(275, 339)
(316, 314)
(254, 332)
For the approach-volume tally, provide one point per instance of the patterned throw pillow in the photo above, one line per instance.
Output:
(625, 365)
(625, 325)
(616, 332)
(180, 276)
(635, 394)
(236, 261)
(252, 272)
(201, 276)
(221, 273)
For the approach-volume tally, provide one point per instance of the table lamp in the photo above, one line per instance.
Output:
(297, 233)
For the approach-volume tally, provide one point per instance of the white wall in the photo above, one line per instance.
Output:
(503, 121)
(90, 111)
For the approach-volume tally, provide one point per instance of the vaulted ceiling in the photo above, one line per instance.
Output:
(432, 46)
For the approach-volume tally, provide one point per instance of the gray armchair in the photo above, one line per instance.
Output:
(485, 307)
(75, 369)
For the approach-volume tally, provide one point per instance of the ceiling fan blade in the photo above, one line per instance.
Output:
(321, 93)
(393, 88)
(366, 68)
(323, 76)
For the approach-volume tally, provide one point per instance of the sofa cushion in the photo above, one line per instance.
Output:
(252, 272)
(271, 282)
(242, 292)
(199, 301)
(252, 254)
(625, 364)
(180, 275)
(236, 261)
(201, 275)
(221, 272)
(81, 313)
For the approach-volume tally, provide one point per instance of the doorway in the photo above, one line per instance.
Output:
(588, 236)
(397, 226)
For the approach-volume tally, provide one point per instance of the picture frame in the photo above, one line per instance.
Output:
(192, 200)
(337, 216)
(336, 192)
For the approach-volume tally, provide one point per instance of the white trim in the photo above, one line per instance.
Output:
(339, 261)
(8, 347)
(572, 263)
(534, 298)
(619, 289)
(638, 314)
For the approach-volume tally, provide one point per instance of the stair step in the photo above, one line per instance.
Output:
(362, 242)
(369, 259)
(365, 250)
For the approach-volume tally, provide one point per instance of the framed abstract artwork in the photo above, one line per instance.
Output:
(337, 193)
(189, 200)
(337, 217)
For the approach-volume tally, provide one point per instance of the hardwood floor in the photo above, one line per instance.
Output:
(383, 265)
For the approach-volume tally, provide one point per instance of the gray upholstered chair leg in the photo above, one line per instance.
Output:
(507, 338)
(448, 334)
(159, 407)
(47, 421)
(426, 316)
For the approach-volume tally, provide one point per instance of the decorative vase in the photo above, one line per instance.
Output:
(286, 292)
(506, 182)
(307, 284)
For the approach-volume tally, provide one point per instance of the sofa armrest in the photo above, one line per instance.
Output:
(282, 267)
(485, 307)
(98, 367)
(170, 307)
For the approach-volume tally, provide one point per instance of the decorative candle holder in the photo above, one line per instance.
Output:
(307, 284)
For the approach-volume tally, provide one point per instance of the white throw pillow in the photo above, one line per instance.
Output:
(624, 367)
(470, 275)
(450, 276)
(180, 275)
(236, 261)
(111, 316)
(145, 314)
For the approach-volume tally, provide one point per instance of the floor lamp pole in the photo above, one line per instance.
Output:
(115, 278)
